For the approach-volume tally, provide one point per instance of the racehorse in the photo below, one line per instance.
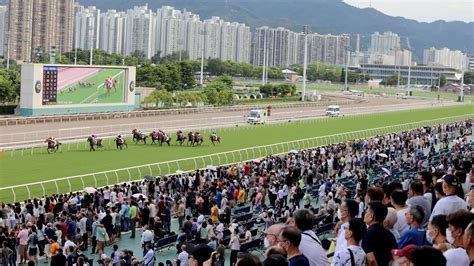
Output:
(164, 138)
(138, 136)
(97, 143)
(197, 139)
(53, 146)
(120, 143)
(110, 83)
(155, 136)
(214, 138)
(180, 137)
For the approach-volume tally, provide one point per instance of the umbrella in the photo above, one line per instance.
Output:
(137, 195)
(149, 178)
(383, 155)
(294, 151)
(180, 172)
(388, 172)
(90, 190)
(211, 167)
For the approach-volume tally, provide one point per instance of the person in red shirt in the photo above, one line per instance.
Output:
(247, 169)
(236, 193)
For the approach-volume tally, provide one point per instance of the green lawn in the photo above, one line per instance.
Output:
(75, 159)
(96, 93)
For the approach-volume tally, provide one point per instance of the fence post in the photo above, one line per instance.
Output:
(44, 191)
(14, 195)
(149, 168)
(226, 159)
(169, 168)
(57, 188)
(107, 178)
(233, 157)
(29, 192)
(195, 164)
(240, 156)
(69, 183)
(159, 168)
(84, 186)
(95, 180)
(129, 175)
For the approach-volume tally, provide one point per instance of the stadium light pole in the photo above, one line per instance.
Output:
(461, 91)
(305, 60)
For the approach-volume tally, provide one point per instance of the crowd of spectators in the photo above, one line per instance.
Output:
(400, 198)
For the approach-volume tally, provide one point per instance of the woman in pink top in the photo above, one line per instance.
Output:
(23, 242)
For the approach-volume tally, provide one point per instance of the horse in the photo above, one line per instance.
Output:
(138, 136)
(120, 143)
(180, 137)
(190, 137)
(214, 138)
(164, 138)
(97, 143)
(155, 136)
(53, 146)
(197, 139)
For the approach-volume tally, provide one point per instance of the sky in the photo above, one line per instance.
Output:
(422, 10)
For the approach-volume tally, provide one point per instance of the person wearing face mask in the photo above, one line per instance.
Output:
(271, 236)
(457, 223)
(470, 199)
(436, 233)
(289, 240)
(348, 210)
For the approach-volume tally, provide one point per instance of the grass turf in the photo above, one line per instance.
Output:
(96, 93)
(75, 159)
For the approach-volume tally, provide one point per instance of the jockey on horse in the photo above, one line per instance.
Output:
(120, 142)
(215, 138)
(180, 137)
(53, 144)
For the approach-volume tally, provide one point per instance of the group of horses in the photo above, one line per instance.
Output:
(157, 137)
(160, 137)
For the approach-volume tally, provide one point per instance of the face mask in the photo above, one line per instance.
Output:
(428, 237)
(449, 236)
(339, 214)
(266, 244)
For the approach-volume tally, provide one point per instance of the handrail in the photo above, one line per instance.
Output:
(330, 138)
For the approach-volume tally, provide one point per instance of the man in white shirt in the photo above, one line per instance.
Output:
(353, 254)
(398, 200)
(147, 236)
(457, 224)
(310, 244)
(183, 256)
(451, 203)
(348, 210)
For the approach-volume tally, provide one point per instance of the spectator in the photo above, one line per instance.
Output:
(378, 242)
(416, 234)
(275, 250)
(183, 256)
(451, 203)
(310, 245)
(416, 198)
(59, 259)
(468, 241)
(403, 256)
(234, 246)
(436, 233)
(33, 245)
(5, 253)
(353, 255)
(149, 257)
(426, 179)
(247, 259)
(348, 210)
(23, 242)
(427, 256)
(457, 223)
(398, 200)
(275, 260)
(390, 221)
(200, 254)
(289, 240)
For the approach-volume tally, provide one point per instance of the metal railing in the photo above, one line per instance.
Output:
(129, 174)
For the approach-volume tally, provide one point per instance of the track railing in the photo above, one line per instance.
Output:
(129, 174)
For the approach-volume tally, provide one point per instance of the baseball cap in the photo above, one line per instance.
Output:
(452, 180)
(201, 252)
(404, 252)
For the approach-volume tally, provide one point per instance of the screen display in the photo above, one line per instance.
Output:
(83, 85)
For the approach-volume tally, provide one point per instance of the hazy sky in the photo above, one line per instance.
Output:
(422, 10)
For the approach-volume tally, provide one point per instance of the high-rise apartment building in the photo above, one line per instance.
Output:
(139, 34)
(386, 43)
(39, 25)
(445, 57)
(111, 31)
(3, 30)
(281, 47)
(87, 27)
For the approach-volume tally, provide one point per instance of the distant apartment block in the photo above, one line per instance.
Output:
(445, 57)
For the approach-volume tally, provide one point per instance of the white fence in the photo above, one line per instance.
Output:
(107, 178)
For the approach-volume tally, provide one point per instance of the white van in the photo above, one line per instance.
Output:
(257, 117)
(401, 95)
(332, 110)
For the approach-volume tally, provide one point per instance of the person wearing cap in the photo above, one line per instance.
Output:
(451, 203)
(200, 254)
(403, 256)
(457, 223)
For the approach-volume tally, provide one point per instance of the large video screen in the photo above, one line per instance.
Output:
(83, 85)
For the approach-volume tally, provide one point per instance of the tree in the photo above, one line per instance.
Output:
(469, 77)
(187, 75)
(442, 81)
(218, 85)
(390, 81)
(212, 95)
(158, 96)
(175, 77)
(215, 67)
(226, 79)
(267, 89)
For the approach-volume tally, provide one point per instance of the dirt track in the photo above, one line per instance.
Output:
(18, 133)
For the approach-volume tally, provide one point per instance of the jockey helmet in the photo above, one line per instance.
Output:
(119, 136)
(93, 136)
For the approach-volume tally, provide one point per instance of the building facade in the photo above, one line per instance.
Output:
(111, 31)
(87, 27)
(3, 30)
(385, 43)
(445, 57)
(423, 75)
